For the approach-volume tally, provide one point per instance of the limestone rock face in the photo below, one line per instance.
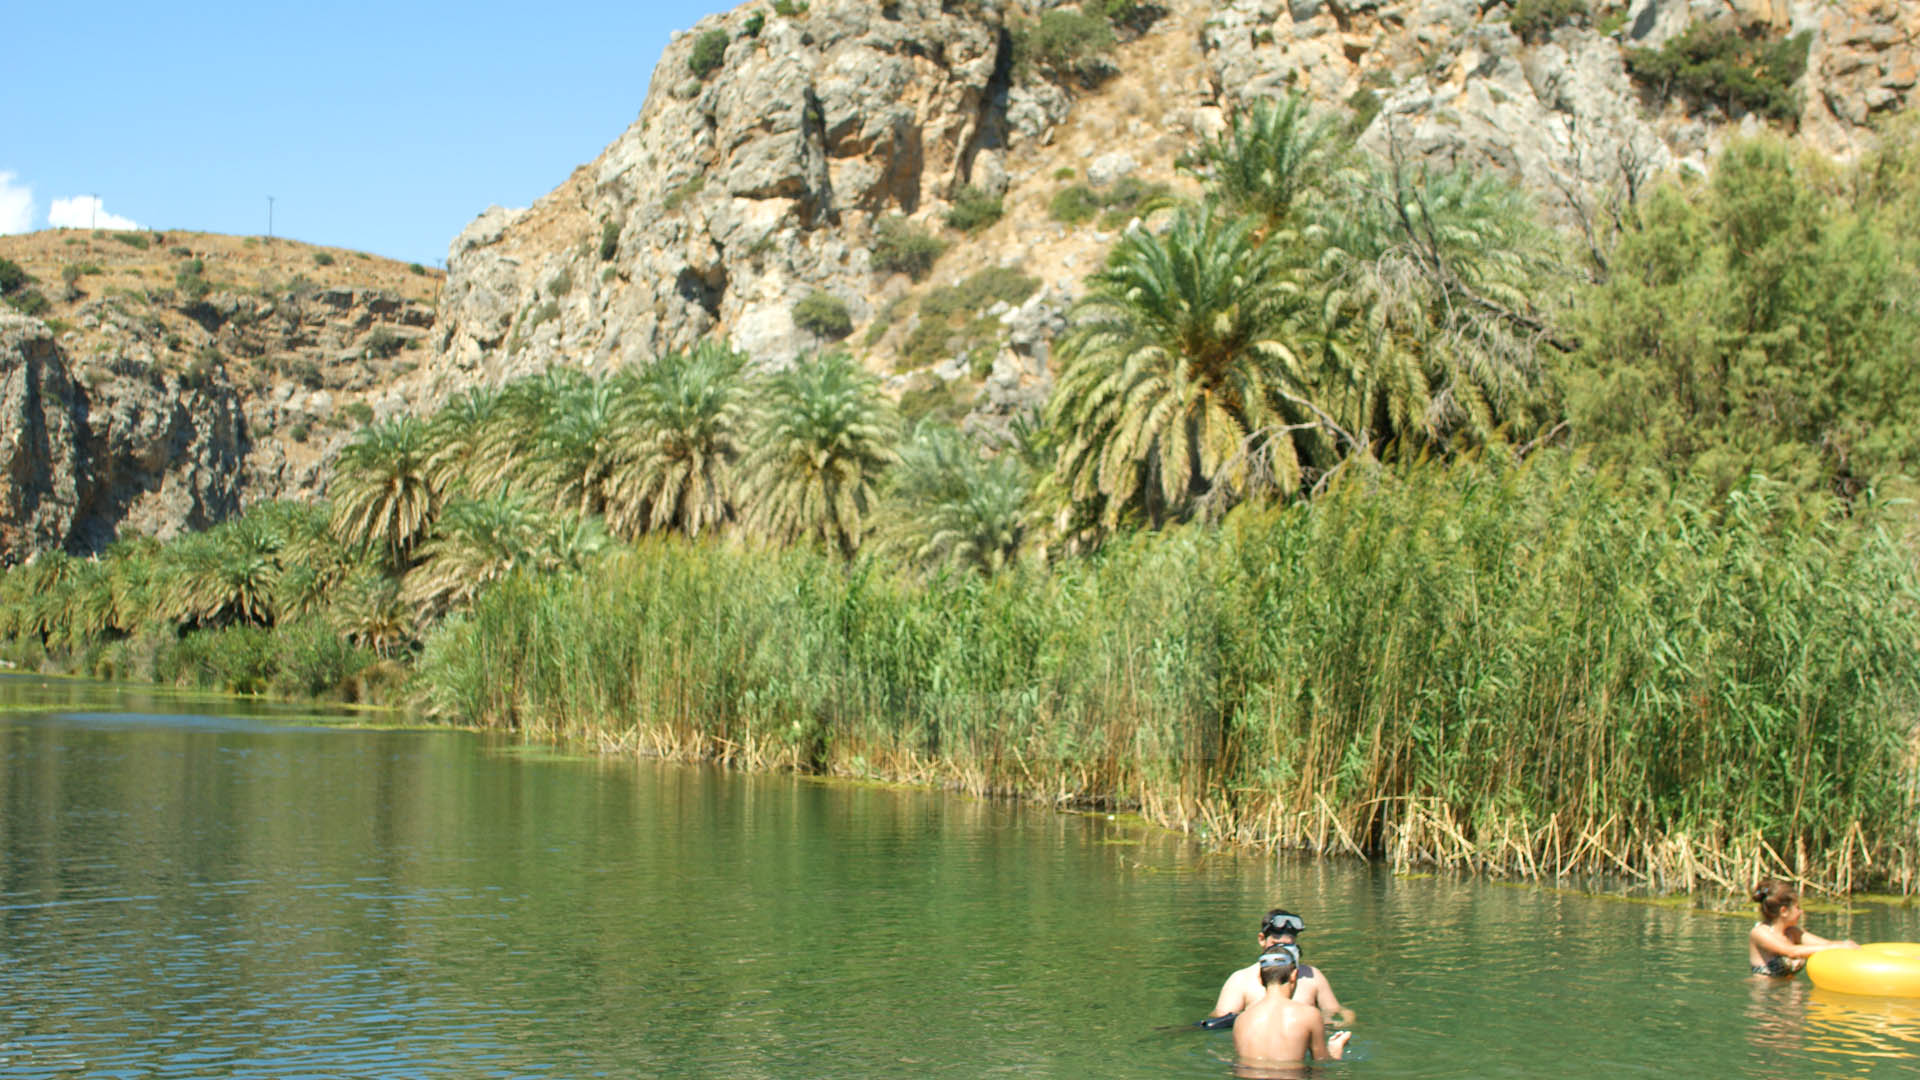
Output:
(737, 193)
(733, 197)
(39, 440)
(155, 453)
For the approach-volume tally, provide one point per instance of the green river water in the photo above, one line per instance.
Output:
(197, 887)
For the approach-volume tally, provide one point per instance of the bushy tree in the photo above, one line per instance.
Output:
(1752, 323)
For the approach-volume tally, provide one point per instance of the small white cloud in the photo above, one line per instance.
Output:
(86, 212)
(16, 205)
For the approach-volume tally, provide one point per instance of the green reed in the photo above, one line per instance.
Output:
(1523, 669)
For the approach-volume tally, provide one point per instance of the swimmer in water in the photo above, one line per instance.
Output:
(1777, 947)
(1243, 987)
(1278, 1030)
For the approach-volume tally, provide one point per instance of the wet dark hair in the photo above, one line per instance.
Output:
(1774, 897)
(1277, 964)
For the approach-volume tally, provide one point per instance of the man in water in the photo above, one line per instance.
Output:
(1243, 987)
(1278, 1030)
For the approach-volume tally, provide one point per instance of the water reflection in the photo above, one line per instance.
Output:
(1776, 1016)
(1851, 1026)
(256, 900)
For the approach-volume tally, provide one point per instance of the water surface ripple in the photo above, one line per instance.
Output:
(222, 889)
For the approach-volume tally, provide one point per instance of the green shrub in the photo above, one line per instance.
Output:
(926, 345)
(1131, 14)
(609, 240)
(1722, 64)
(181, 252)
(901, 247)
(755, 22)
(28, 302)
(1365, 103)
(884, 321)
(359, 412)
(1065, 172)
(792, 9)
(1535, 20)
(321, 258)
(562, 283)
(709, 51)
(382, 343)
(823, 315)
(312, 660)
(299, 431)
(1065, 45)
(12, 276)
(973, 209)
(137, 241)
(416, 269)
(190, 280)
(1074, 205)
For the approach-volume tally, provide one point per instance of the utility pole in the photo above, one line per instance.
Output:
(269, 219)
(93, 212)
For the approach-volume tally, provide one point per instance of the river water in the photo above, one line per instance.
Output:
(207, 887)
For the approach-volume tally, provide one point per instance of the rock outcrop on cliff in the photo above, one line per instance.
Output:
(742, 190)
(166, 407)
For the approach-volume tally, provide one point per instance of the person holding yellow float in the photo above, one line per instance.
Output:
(1778, 946)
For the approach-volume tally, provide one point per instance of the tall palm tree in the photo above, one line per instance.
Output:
(370, 613)
(226, 574)
(465, 434)
(474, 542)
(683, 427)
(1431, 271)
(947, 504)
(1184, 377)
(1276, 157)
(575, 447)
(383, 495)
(823, 435)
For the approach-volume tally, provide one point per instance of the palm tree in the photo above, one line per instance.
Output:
(1430, 273)
(683, 424)
(465, 435)
(823, 435)
(370, 613)
(1277, 156)
(474, 542)
(383, 495)
(574, 450)
(226, 574)
(949, 505)
(1184, 377)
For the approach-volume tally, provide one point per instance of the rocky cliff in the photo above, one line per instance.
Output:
(167, 380)
(175, 379)
(745, 187)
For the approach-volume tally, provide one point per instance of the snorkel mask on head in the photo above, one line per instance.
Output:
(1282, 923)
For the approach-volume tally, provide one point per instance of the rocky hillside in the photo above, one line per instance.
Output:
(163, 380)
(923, 182)
(779, 157)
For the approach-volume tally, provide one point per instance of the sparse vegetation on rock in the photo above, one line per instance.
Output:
(1733, 66)
(823, 315)
(900, 246)
(709, 52)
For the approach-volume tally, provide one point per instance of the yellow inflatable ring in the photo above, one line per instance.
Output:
(1887, 968)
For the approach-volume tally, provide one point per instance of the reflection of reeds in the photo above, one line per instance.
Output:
(1522, 672)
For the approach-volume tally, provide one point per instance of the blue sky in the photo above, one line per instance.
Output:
(379, 127)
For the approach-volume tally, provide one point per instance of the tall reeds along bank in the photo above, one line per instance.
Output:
(1514, 668)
